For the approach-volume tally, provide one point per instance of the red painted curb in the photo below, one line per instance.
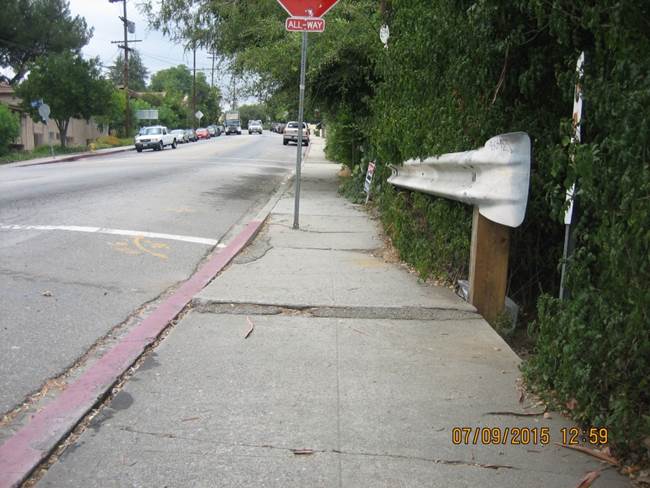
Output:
(28, 447)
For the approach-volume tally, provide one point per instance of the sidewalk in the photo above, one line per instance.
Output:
(354, 375)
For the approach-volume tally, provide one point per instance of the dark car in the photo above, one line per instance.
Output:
(191, 135)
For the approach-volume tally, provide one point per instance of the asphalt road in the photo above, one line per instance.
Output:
(64, 285)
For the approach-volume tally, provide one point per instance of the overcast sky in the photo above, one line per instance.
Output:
(157, 51)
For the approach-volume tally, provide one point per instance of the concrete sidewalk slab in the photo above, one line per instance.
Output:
(374, 400)
(336, 237)
(295, 277)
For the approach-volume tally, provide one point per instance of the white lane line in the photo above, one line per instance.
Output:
(119, 232)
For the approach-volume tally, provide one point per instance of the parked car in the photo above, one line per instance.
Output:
(254, 126)
(212, 130)
(191, 135)
(181, 137)
(202, 133)
(155, 137)
(221, 128)
(290, 133)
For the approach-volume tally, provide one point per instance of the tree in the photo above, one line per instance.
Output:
(252, 112)
(137, 72)
(33, 28)
(177, 79)
(177, 84)
(9, 128)
(71, 86)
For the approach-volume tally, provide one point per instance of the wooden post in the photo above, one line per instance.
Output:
(488, 266)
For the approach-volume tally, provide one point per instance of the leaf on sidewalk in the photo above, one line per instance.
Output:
(47, 293)
(589, 479)
(603, 456)
(251, 327)
(303, 452)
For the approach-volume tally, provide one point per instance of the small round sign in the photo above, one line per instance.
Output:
(44, 112)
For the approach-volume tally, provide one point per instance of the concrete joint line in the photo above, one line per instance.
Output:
(203, 305)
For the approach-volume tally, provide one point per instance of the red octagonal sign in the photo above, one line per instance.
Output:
(307, 8)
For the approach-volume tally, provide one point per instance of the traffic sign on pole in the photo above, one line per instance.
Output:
(305, 17)
(44, 112)
(307, 8)
(198, 115)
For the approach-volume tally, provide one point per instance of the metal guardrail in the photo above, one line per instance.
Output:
(494, 178)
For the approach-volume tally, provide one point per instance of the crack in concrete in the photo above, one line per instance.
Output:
(347, 312)
(254, 252)
(33, 278)
(303, 451)
(359, 251)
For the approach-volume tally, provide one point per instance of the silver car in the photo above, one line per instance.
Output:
(181, 136)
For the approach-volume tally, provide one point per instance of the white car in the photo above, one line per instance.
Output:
(290, 133)
(155, 137)
(255, 126)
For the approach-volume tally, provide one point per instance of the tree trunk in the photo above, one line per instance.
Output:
(62, 125)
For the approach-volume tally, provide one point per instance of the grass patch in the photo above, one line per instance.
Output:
(40, 152)
(104, 142)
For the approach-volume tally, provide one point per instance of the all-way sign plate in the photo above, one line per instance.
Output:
(304, 24)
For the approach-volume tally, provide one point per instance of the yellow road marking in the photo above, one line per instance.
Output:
(139, 243)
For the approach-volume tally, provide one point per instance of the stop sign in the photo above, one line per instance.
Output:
(307, 8)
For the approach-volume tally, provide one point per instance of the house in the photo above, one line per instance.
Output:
(35, 134)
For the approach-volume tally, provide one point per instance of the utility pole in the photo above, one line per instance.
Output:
(128, 27)
(127, 115)
(213, 56)
(233, 92)
(194, 89)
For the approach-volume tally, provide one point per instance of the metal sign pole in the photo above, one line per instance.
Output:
(303, 63)
(572, 193)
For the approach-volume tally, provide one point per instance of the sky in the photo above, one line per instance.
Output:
(157, 51)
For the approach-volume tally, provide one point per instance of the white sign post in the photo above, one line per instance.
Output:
(198, 115)
(44, 112)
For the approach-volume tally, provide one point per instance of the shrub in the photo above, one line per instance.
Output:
(9, 128)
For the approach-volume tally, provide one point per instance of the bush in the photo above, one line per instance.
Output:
(9, 128)
(111, 141)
